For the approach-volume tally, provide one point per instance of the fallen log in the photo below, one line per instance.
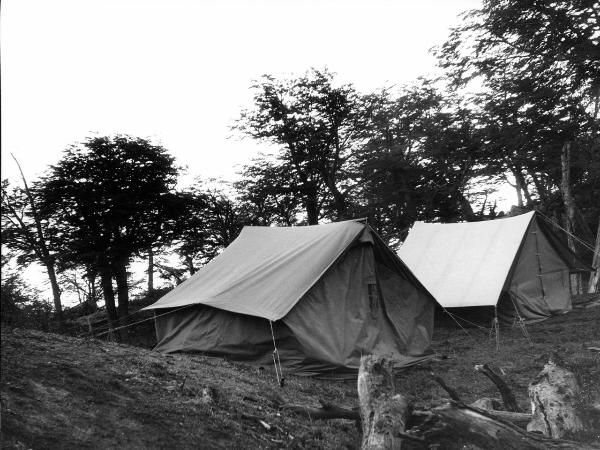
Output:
(488, 405)
(458, 426)
(554, 394)
(451, 392)
(383, 412)
(508, 398)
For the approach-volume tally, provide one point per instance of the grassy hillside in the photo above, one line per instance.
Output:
(61, 392)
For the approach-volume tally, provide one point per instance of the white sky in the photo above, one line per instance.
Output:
(179, 71)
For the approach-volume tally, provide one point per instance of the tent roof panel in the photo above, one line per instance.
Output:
(464, 264)
(266, 270)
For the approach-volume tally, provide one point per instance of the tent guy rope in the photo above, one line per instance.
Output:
(276, 362)
(110, 330)
(581, 241)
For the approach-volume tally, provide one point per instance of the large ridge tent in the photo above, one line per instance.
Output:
(322, 295)
(518, 266)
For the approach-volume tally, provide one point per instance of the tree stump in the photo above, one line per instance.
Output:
(383, 413)
(553, 397)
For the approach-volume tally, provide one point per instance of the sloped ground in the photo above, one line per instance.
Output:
(62, 392)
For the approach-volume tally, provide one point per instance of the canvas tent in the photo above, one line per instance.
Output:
(329, 293)
(517, 267)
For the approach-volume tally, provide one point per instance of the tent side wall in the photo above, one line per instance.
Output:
(345, 315)
(410, 310)
(409, 306)
(539, 285)
(212, 331)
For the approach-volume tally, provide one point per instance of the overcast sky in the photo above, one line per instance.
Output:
(179, 71)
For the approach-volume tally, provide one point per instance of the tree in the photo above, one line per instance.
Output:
(311, 121)
(113, 197)
(267, 193)
(539, 64)
(21, 304)
(418, 158)
(211, 222)
(31, 232)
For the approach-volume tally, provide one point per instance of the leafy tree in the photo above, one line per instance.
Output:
(32, 233)
(417, 160)
(21, 304)
(267, 193)
(113, 197)
(211, 222)
(539, 65)
(311, 121)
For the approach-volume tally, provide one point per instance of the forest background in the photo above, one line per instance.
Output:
(517, 102)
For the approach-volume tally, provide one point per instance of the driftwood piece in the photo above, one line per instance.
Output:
(458, 426)
(326, 411)
(508, 398)
(553, 396)
(383, 413)
(487, 404)
(451, 392)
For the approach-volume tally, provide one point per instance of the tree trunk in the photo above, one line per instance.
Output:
(519, 194)
(120, 271)
(383, 413)
(466, 207)
(522, 186)
(595, 275)
(55, 292)
(569, 204)
(92, 296)
(312, 207)
(189, 262)
(539, 186)
(42, 250)
(109, 295)
(150, 271)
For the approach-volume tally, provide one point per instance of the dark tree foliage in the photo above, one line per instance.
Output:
(539, 64)
(548, 42)
(418, 154)
(211, 222)
(311, 121)
(21, 305)
(113, 197)
(267, 193)
(31, 233)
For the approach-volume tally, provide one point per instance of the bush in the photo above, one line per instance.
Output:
(21, 305)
